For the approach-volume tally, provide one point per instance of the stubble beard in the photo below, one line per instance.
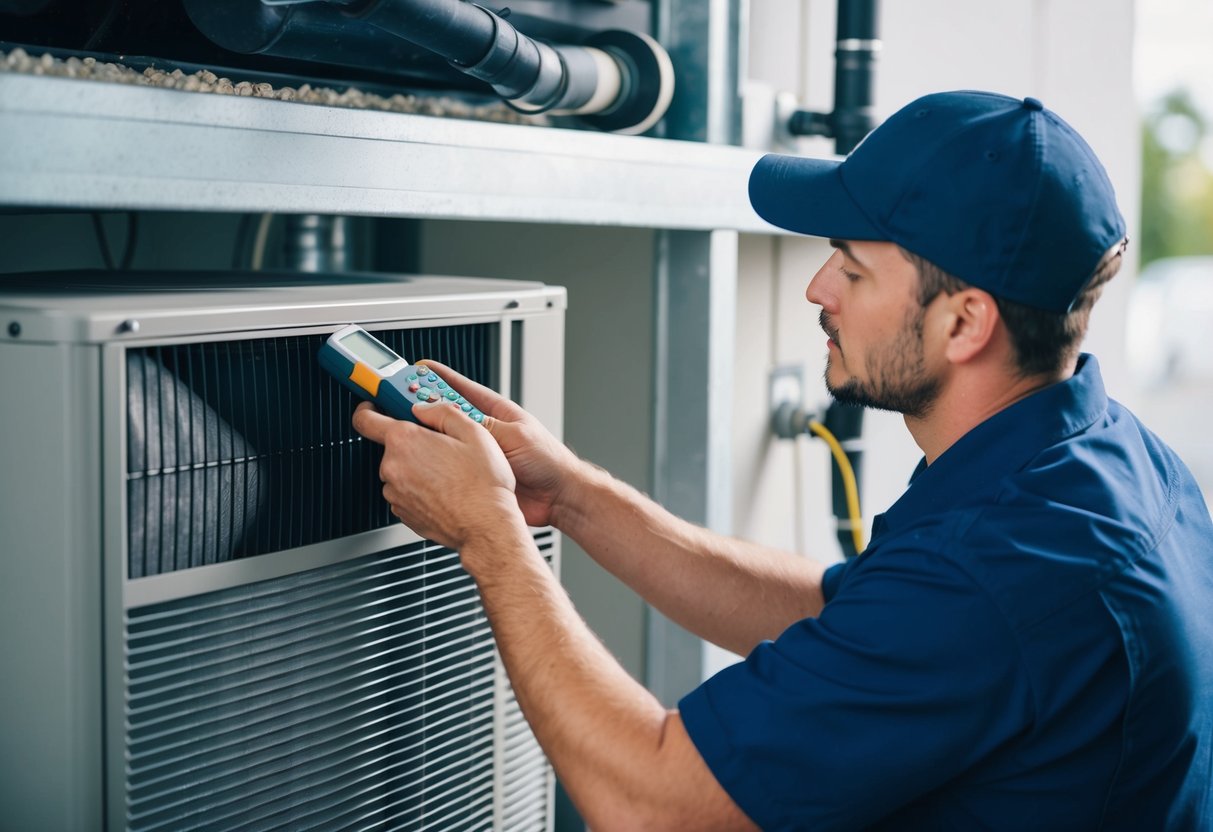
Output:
(898, 377)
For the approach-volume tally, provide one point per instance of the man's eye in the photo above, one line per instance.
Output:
(851, 276)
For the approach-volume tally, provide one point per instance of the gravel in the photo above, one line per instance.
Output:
(18, 60)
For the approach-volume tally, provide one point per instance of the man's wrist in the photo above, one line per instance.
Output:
(578, 482)
(496, 539)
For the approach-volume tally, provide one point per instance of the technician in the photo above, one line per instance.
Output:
(1026, 643)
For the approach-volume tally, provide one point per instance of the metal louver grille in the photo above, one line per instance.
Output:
(525, 793)
(242, 448)
(356, 695)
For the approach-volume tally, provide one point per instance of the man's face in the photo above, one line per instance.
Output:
(868, 293)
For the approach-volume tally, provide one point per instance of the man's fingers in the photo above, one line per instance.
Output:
(446, 418)
(485, 399)
(372, 424)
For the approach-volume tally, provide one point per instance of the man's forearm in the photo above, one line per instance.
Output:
(604, 733)
(727, 591)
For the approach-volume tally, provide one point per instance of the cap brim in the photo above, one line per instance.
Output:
(808, 196)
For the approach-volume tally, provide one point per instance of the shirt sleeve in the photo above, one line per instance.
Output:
(832, 578)
(908, 677)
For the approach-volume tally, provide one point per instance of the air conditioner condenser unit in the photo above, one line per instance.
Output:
(209, 618)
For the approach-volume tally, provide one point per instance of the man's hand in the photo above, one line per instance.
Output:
(542, 465)
(451, 484)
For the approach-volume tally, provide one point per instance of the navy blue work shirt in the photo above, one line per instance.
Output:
(1026, 643)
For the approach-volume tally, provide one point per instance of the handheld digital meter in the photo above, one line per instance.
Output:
(373, 372)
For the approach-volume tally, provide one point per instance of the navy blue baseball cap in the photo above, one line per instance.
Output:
(997, 191)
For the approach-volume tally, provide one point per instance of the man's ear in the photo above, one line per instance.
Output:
(973, 320)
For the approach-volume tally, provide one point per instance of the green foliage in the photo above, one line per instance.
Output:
(1176, 184)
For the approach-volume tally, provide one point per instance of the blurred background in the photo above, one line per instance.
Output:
(1169, 332)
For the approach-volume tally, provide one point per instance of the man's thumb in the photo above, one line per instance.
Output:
(446, 417)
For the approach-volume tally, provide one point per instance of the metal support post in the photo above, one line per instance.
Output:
(696, 300)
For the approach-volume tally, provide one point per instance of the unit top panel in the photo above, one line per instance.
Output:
(104, 306)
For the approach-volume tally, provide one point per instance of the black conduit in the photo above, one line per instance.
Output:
(858, 43)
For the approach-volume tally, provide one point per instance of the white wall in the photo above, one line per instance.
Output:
(1075, 55)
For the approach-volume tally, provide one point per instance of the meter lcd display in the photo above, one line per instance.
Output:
(369, 350)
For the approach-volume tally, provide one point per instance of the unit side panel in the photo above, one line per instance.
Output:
(542, 369)
(525, 788)
(50, 599)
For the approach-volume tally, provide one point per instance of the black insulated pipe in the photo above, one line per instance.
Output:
(620, 81)
(616, 80)
(457, 31)
(858, 44)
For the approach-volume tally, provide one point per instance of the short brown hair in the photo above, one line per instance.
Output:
(1043, 341)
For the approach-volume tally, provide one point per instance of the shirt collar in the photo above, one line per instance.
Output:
(974, 466)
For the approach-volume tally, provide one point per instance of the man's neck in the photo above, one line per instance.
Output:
(972, 395)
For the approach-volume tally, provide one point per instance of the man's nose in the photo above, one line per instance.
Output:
(818, 291)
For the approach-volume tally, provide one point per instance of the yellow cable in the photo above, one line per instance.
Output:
(848, 481)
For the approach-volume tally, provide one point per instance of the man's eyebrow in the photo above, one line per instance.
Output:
(845, 248)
